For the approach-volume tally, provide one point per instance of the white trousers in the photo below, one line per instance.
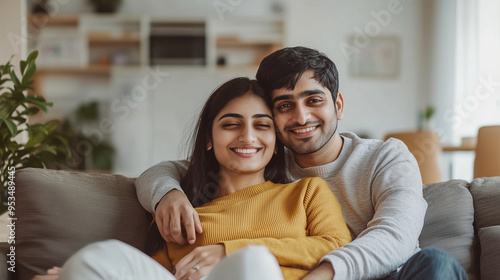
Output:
(115, 260)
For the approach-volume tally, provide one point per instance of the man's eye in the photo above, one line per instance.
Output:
(315, 100)
(283, 106)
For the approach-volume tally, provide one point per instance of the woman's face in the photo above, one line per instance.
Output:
(243, 136)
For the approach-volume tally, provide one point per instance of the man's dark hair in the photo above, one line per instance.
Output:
(283, 68)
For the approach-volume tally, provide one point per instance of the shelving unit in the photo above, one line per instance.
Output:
(91, 44)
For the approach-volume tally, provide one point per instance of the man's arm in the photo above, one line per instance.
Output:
(391, 237)
(157, 181)
(159, 192)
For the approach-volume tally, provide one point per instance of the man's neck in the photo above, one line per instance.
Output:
(327, 154)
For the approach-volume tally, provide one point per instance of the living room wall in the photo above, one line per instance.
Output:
(155, 129)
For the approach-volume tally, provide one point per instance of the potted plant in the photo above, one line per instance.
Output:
(99, 157)
(425, 117)
(42, 146)
(105, 6)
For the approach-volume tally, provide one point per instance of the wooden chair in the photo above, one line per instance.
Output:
(426, 148)
(487, 162)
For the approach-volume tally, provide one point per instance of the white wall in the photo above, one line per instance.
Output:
(177, 8)
(439, 57)
(12, 32)
(372, 106)
(153, 130)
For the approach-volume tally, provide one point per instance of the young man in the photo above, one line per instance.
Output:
(377, 183)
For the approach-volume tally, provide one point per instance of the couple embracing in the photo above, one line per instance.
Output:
(328, 206)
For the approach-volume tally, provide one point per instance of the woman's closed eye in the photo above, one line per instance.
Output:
(230, 125)
(263, 126)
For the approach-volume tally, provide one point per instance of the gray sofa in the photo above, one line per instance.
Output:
(58, 212)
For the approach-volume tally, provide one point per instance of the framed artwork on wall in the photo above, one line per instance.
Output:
(379, 57)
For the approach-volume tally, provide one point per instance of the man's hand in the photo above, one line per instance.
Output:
(174, 212)
(323, 272)
(199, 262)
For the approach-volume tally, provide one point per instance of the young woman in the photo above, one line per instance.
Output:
(234, 181)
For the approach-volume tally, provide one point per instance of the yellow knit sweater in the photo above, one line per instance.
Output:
(298, 222)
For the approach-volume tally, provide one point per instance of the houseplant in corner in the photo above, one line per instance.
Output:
(23, 144)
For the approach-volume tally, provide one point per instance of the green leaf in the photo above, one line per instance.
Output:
(52, 125)
(33, 55)
(10, 125)
(31, 111)
(13, 146)
(62, 139)
(18, 96)
(14, 78)
(19, 119)
(29, 73)
(37, 128)
(22, 65)
(45, 148)
(37, 134)
(40, 103)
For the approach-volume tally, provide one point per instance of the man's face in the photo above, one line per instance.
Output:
(306, 117)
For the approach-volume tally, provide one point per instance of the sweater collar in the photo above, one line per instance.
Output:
(327, 170)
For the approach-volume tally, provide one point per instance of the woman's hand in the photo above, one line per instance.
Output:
(52, 274)
(199, 262)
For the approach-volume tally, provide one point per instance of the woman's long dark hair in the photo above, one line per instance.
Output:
(200, 184)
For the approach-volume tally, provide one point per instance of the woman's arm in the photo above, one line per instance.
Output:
(326, 230)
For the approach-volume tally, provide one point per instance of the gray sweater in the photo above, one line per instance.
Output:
(378, 186)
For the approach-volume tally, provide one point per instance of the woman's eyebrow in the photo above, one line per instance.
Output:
(231, 115)
(262, 116)
(238, 116)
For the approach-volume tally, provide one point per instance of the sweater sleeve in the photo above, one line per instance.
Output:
(326, 230)
(158, 180)
(391, 237)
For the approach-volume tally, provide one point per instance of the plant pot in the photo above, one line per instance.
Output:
(105, 6)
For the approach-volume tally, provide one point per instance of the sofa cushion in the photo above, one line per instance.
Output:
(59, 212)
(449, 221)
(489, 238)
(486, 195)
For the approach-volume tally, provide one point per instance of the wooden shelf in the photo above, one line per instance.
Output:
(105, 38)
(238, 42)
(75, 70)
(42, 20)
